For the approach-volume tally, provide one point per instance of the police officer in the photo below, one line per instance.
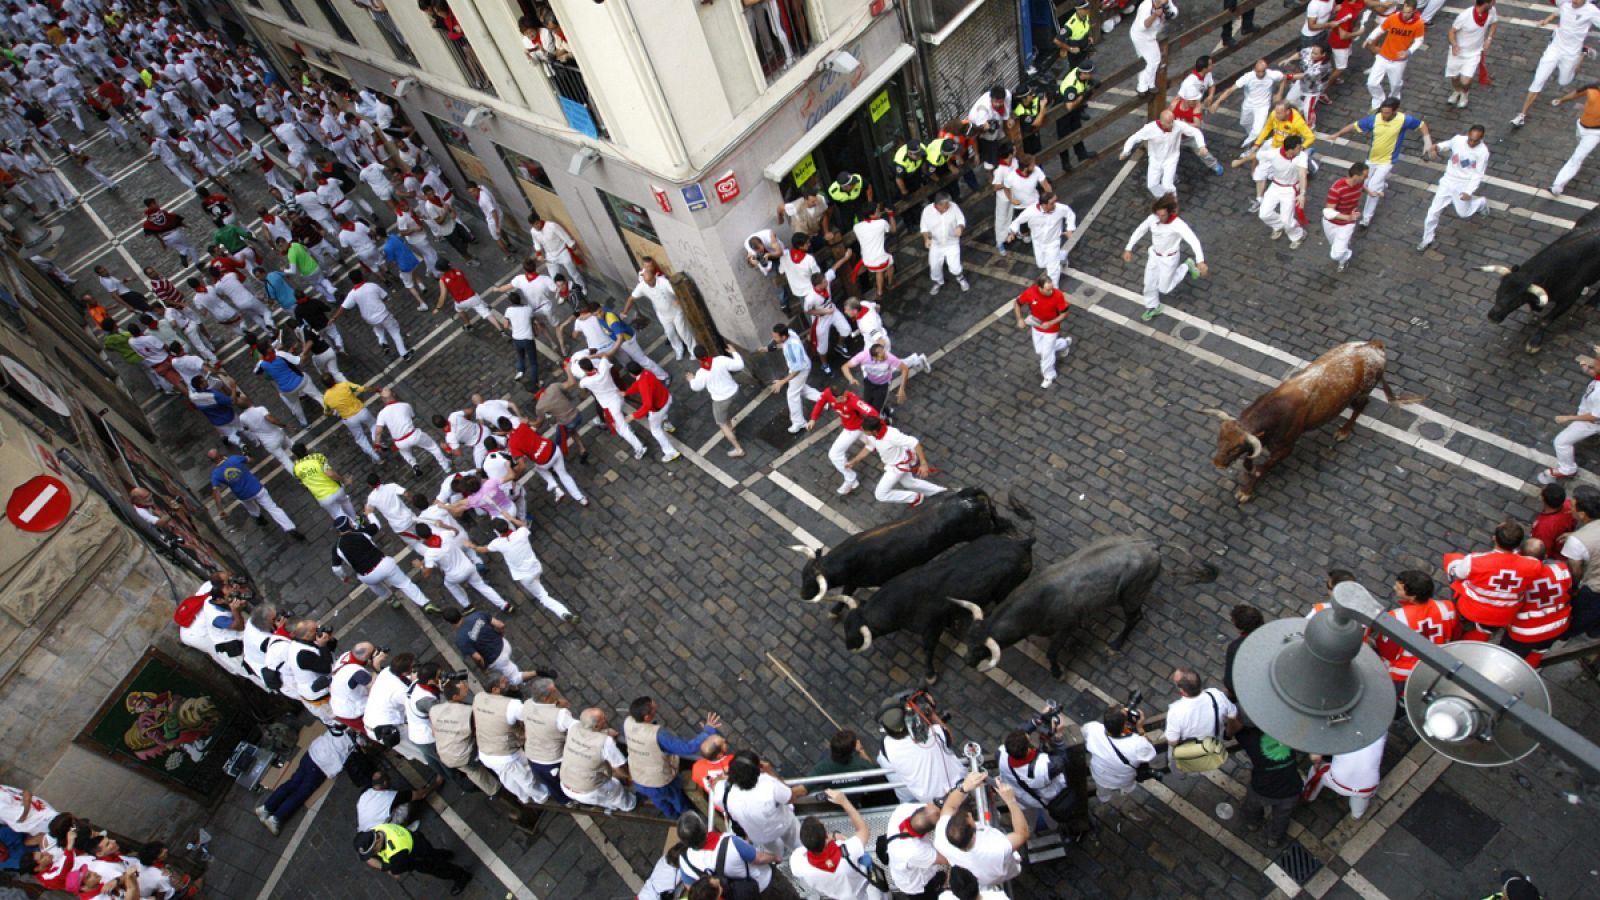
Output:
(1072, 95)
(850, 195)
(910, 164)
(397, 850)
(942, 156)
(1029, 107)
(1078, 35)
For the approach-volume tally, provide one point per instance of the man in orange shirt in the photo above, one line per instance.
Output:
(1588, 134)
(1393, 41)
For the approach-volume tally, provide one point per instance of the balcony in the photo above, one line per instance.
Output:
(546, 44)
(780, 32)
(391, 31)
(444, 21)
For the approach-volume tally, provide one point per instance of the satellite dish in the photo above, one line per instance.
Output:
(1464, 728)
(1313, 685)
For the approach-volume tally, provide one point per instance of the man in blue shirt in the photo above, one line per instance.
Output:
(279, 290)
(481, 638)
(291, 381)
(234, 473)
(398, 252)
(798, 361)
(217, 407)
(653, 755)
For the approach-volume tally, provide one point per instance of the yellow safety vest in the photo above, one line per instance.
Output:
(903, 160)
(840, 195)
(1027, 109)
(396, 839)
(1071, 82)
(934, 151)
(1078, 27)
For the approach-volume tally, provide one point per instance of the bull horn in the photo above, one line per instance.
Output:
(801, 549)
(1256, 450)
(848, 601)
(994, 656)
(822, 590)
(1496, 270)
(1539, 295)
(866, 639)
(973, 608)
(1210, 411)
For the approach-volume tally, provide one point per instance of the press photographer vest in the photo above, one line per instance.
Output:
(452, 733)
(543, 742)
(583, 763)
(647, 763)
(495, 737)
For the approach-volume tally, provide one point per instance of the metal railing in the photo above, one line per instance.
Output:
(568, 81)
(467, 61)
(393, 36)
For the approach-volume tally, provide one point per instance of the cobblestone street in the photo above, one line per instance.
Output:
(687, 590)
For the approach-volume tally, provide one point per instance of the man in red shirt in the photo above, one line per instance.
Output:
(453, 284)
(1555, 521)
(655, 402)
(1339, 217)
(1490, 587)
(1047, 307)
(524, 443)
(851, 410)
(1345, 23)
(167, 227)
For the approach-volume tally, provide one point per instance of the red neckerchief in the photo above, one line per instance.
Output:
(712, 840)
(797, 255)
(861, 312)
(1026, 758)
(881, 432)
(705, 361)
(1480, 19)
(905, 828)
(1162, 125)
(281, 631)
(348, 226)
(430, 689)
(270, 355)
(828, 860)
(822, 291)
(434, 541)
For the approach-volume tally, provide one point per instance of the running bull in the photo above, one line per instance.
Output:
(872, 557)
(1266, 431)
(962, 582)
(1551, 282)
(1111, 573)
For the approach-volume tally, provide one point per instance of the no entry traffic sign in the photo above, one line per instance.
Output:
(39, 504)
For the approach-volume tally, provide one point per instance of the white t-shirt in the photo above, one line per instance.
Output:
(1317, 11)
(491, 411)
(844, 882)
(397, 419)
(329, 751)
(769, 240)
(553, 241)
(1192, 717)
(1193, 89)
(1572, 26)
(368, 297)
(1047, 227)
(517, 548)
(1110, 773)
(373, 808)
(1258, 91)
(912, 860)
(388, 500)
(448, 558)
(991, 859)
(1143, 33)
(873, 235)
(798, 273)
(539, 291)
(661, 296)
(595, 334)
(1024, 188)
(928, 770)
(521, 319)
(1030, 778)
(765, 814)
(941, 227)
(1280, 169)
(600, 384)
(1469, 34)
(1465, 164)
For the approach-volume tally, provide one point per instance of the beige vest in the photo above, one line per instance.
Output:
(543, 742)
(452, 733)
(649, 766)
(495, 736)
(583, 763)
(1589, 537)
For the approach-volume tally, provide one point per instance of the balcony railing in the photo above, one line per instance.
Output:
(780, 31)
(573, 93)
(336, 21)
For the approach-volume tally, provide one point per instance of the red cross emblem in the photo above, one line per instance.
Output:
(1431, 630)
(1545, 592)
(1505, 580)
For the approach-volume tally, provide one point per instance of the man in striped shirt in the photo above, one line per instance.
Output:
(1388, 127)
(1339, 216)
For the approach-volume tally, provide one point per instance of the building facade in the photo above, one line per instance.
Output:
(663, 128)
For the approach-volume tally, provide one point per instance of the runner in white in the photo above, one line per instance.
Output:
(1260, 87)
(1467, 159)
(594, 375)
(654, 285)
(1163, 270)
(370, 298)
(1051, 224)
(1149, 21)
(400, 421)
(872, 235)
(1284, 200)
(942, 225)
(1163, 140)
(1573, 20)
(555, 245)
(265, 429)
(1470, 36)
(824, 316)
(903, 461)
(516, 547)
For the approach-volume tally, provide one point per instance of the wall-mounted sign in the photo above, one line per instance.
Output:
(662, 200)
(804, 169)
(879, 105)
(727, 187)
(694, 197)
(39, 504)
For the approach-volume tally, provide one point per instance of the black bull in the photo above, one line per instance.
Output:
(960, 585)
(1111, 573)
(870, 558)
(1552, 280)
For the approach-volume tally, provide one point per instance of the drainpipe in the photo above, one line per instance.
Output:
(909, 33)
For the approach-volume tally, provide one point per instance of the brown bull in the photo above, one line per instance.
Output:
(1266, 431)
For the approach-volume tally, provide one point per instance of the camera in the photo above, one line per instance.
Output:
(451, 677)
(914, 711)
(1135, 714)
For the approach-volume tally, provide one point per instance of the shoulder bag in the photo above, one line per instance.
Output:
(1202, 754)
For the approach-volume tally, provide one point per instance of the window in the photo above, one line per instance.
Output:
(629, 216)
(546, 45)
(780, 31)
(291, 12)
(335, 21)
(525, 169)
(392, 34)
(445, 22)
(37, 398)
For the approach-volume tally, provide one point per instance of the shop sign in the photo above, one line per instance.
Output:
(879, 105)
(804, 170)
(727, 187)
(694, 197)
(662, 200)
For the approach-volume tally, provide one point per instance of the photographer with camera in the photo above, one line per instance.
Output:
(916, 747)
(1038, 776)
(420, 698)
(353, 674)
(385, 712)
(308, 662)
(1119, 755)
(987, 852)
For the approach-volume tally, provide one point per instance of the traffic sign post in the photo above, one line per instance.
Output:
(39, 504)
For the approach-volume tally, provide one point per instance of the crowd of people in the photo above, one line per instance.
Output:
(68, 853)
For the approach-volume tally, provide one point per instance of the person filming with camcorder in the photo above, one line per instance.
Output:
(1119, 755)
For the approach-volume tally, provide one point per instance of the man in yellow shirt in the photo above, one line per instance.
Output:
(1284, 121)
(343, 399)
(324, 482)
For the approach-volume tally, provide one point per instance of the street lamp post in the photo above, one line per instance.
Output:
(1315, 685)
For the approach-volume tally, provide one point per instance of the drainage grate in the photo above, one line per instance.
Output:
(1432, 431)
(1190, 333)
(1298, 863)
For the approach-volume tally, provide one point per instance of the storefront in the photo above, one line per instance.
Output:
(539, 191)
(459, 143)
(633, 225)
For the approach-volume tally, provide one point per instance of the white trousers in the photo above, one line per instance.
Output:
(1161, 177)
(1567, 440)
(389, 327)
(291, 398)
(1277, 210)
(1338, 236)
(505, 665)
(619, 421)
(1002, 219)
(676, 328)
(1377, 182)
(1253, 118)
(1052, 258)
(470, 578)
(425, 441)
(536, 589)
(359, 426)
(1448, 193)
(1161, 275)
(175, 240)
(943, 256)
(903, 487)
(823, 328)
(1048, 345)
(328, 361)
(797, 390)
(198, 342)
(254, 310)
(555, 469)
(1149, 52)
(564, 265)
(611, 795)
(424, 248)
(516, 777)
(338, 504)
(1553, 61)
(658, 422)
(839, 453)
(632, 350)
(1587, 138)
(1394, 70)
(263, 502)
(387, 577)
(277, 446)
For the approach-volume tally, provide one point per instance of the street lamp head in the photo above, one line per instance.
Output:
(1463, 727)
(1313, 684)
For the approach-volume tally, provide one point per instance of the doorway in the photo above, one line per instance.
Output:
(638, 234)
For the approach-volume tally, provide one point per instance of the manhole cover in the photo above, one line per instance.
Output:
(1432, 431)
(1298, 863)
(1190, 333)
